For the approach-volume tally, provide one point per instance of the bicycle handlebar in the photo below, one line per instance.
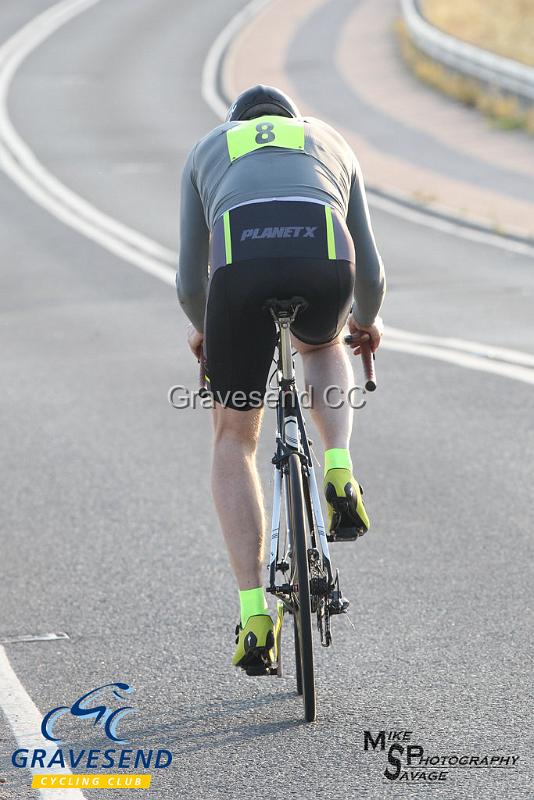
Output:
(368, 362)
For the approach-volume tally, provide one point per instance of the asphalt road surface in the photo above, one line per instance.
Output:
(107, 527)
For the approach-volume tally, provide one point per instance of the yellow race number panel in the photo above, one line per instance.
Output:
(264, 132)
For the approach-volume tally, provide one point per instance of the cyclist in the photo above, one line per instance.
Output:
(275, 203)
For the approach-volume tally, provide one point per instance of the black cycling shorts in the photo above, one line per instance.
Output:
(272, 249)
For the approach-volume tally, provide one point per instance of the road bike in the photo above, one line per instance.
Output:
(301, 575)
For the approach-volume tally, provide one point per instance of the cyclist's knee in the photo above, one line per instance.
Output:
(240, 427)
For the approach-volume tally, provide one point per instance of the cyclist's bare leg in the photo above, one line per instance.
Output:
(329, 365)
(324, 366)
(237, 491)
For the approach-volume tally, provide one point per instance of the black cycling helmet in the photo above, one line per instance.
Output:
(259, 101)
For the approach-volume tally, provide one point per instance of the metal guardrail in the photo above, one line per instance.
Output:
(503, 73)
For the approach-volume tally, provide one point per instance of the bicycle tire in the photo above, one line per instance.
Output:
(302, 610)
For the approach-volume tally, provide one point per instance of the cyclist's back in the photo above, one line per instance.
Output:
(231, 167)
(322, 170)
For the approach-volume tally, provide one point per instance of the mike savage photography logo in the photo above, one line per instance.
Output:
(106, 707)
(410, 763)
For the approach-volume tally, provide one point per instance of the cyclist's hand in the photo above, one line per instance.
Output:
(374, 333)
(195, 340)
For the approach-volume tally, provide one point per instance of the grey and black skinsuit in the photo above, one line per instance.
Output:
(273, 216)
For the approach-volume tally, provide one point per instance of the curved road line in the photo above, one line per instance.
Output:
(460, 359)
(503, 354)
(22, 166)
(25, 720)
(212, 64)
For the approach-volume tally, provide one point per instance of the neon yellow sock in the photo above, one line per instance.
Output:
(337, 458)
(252, 602)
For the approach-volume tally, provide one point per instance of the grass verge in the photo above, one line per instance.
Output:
(505, 27)
(504, 111)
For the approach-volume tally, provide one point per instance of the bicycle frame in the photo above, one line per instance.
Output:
(291, 437)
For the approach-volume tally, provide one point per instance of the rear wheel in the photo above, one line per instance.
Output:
(301, 595)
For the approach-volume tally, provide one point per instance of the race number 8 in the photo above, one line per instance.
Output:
(254, 134)
(265, 133)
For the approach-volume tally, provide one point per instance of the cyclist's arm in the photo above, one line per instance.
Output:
(192, 275)
(370, 285)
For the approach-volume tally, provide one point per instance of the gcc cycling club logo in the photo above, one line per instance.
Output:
(106, 706)
(102, 714)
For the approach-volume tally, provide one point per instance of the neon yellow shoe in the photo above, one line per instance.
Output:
(255, 651)
(347, 517)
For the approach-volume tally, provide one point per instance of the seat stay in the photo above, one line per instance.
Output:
(315, 499)
(275, 524)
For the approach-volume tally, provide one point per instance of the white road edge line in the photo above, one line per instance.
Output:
(398, 209)
(212, 64)
(473, 348)
(25, 720)
(467, 360)
(22, 166)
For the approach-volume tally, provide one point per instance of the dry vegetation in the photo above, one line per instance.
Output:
(504, 26)
(506, 112)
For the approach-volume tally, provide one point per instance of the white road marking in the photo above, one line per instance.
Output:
(125, 250)
(22, 166)
(466, 346)
(428, 220)
(467, 360)
(34, 637)
(212, 64)
(25, 720)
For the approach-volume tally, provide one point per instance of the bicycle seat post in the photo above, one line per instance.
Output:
(286, 356)
(283, 313)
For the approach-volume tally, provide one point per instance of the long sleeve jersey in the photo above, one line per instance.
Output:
(325, 169)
